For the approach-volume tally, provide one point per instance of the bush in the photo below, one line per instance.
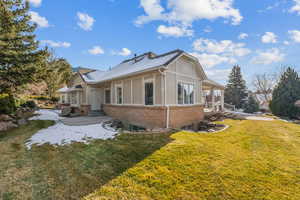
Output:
(29, 104)
(251, 106)
(7, 104)
(54, 99)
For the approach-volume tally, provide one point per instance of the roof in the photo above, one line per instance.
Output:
(144, 62)
(72, 89)
(212, 83)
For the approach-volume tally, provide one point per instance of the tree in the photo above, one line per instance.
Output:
(264, 84)
(58, 72)
(20, 56)
(251, 105)
(285, 95)
(235, 90)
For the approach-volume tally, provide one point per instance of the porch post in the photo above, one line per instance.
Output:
(222, 100)
(212, 92)
(77, 97)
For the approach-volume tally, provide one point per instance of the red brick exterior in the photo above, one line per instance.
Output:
(156, 116)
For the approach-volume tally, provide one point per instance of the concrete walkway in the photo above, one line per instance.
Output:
(83, 121)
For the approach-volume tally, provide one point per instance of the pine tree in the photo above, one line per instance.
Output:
(20, 56)
(235, 91)
(251, 105)
(285, 94)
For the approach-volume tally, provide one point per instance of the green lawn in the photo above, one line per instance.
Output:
(68, 172)
(250, 160)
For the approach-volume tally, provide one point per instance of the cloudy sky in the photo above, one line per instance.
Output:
(259, 35)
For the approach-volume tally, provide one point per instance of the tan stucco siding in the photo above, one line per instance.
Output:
(171, 89)
(137, 91)
(158, 90)
(183, 70)
(127, 92)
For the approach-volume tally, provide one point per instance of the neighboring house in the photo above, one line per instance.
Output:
(263, 100)
(153, 91)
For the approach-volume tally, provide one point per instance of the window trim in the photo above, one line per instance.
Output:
(183, 99)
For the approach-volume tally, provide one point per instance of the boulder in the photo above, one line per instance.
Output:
(5, 118)
(22, 121)
(4, 126)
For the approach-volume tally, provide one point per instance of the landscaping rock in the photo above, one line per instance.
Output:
(22, 122)
(4, 126)
(5, 118)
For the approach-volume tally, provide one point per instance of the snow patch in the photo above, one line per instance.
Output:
(61, 134)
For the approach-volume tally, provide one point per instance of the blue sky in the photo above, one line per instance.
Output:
(259, 35)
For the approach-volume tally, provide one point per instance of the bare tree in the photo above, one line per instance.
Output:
(264, 84)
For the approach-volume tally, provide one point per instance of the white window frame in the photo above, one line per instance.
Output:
(194, 95)
(116, 94)
(148, 80)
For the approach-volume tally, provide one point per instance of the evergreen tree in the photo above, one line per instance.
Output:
(20, 57)
(235, 91)
(285, 94)
(251, 105)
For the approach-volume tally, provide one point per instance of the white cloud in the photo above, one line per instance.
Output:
(174, 31)
(286, 42)
(96, 50)
(211, 60)
(225, 47)
(268, 57)
(86, 22)
(218, 74)
(39, 20)
(35, 3)
(124, 52)
(295, 35)
(243, 36)
(56, 44)
(269, 37)
(296, 7)
(185, 12)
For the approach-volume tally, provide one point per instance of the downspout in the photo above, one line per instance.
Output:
(165, 97)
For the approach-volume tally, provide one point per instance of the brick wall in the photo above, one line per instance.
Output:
(155, 117)
(185, 115)
(149, 117)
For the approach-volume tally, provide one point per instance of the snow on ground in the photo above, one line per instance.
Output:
(259, 118)
(44, 114)
(61, 134)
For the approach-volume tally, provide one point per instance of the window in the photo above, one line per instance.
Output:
(119, 95)
(107, 96)
(185, 93)
(149, 93)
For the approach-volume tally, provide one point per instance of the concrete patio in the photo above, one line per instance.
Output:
(85, 120)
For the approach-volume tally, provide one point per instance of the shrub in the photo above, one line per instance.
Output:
(7, 104)
(54, 99)
(251, 105)
(29, 104)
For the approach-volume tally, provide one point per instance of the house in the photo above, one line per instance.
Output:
(152, 91)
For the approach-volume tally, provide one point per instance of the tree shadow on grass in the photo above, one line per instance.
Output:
(73, 171)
